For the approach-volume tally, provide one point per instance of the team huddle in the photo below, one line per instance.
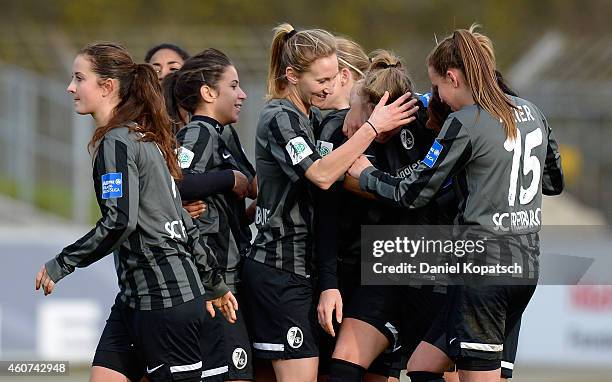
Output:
(343, 140)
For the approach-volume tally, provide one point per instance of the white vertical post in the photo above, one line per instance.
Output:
(26, 112)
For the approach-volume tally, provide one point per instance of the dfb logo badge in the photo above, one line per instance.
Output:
(295, 337)
(239, 358)
(298, 149)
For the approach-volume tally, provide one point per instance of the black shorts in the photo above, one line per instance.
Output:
(228, 355)
(508, 354)
(482, 323)
(281, 312)
(163, 344)
(403, 314)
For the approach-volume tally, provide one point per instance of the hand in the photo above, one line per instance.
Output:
(399, 113)
(241, 185)
(329, 301)
(195, 208)
(354, 119)
(358, 166)
(358, 113)
(251, 211)
(43, 280)
(227, 304)
(252, 189)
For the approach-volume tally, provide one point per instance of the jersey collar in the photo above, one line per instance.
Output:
(209, 120)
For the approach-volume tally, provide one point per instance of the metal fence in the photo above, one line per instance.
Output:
(43, 144)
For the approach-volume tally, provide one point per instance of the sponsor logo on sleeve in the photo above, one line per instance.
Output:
(324, 147)
(433, 154)
(112, 185)
(298, 149)
(185, 156)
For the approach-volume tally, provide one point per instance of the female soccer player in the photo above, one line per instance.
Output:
(503, 156)
(208, 87)
(277, 273)
(385, 323)
(166, 58)
(156, 320)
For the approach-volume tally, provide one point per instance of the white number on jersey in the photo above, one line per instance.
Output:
(530, 164)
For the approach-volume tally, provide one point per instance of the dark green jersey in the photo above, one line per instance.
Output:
(284, 150)
(158, 258)
(499, 181)
(223, 226)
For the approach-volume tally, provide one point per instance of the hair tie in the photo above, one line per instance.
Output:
(387, 66)
(290, 34)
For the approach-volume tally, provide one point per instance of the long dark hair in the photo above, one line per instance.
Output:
(182, 88)
(140, 99)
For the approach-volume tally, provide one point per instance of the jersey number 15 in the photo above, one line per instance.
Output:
(531, 163)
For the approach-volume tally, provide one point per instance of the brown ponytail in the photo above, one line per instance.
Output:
(386, 73)
(472, 53)
(140, 99)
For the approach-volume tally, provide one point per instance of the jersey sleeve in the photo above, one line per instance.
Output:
(195, 152)
(290, 145)
(205, 261)
(118, 195)
(327, 234)
(245, 165)
(552, 178)
(200, 186)
(448, 155)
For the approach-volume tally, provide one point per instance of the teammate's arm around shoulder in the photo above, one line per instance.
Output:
(324, 172)
(449, 154)
(116, 177)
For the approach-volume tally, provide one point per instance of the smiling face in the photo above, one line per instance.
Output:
(85, 87)
(448, 86)
(166, 61)
(316, 84)
(230, 97)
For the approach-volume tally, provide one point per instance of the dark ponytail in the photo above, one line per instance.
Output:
(140, 99)
(172, 105)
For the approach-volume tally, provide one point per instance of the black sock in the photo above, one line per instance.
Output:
(425, 376)
(345, 371)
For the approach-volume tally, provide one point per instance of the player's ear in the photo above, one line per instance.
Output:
(452, 76)
(292, 75)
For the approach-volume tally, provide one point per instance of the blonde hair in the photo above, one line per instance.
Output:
(473, 54)
(352, 57)
(296, 49)
(386, 73)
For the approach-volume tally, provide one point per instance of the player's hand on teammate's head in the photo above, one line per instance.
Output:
(227, 304)
(43, 280)
(358, 166)
(241, 185)
(195, 208)
(329, 301)
(398, 113)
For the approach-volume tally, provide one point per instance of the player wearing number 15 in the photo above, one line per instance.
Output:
(503, 156)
